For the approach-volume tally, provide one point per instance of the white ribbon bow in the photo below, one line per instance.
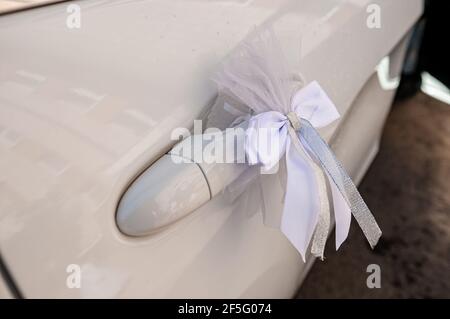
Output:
(309, 162)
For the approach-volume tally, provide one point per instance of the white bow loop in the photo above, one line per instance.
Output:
(313, 104)
(309, 164)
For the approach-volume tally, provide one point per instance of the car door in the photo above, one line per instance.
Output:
(86, 110)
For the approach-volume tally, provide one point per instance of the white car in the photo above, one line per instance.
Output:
(90, 92)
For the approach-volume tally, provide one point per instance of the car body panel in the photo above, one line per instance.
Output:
(84, 111)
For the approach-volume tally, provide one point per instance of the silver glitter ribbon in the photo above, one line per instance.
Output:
(301, 130)
(256, 76)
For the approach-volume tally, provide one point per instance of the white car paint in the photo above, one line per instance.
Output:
(84, 111)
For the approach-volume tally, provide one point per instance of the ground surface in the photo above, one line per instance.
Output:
(408, 190)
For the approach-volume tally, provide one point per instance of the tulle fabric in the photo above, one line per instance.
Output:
(253, 79)
(256, 90)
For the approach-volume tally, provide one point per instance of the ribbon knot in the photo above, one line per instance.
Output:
(311, 167)
(293, 120)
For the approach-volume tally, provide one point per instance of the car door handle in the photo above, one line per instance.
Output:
(175, 186)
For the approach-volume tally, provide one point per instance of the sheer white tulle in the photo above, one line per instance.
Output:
(257, 90)
(254, 79)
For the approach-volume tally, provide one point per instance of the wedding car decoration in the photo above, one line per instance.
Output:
(285, 113)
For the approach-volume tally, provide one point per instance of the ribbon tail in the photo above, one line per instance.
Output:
(323, 224)
(299, 216)
(341, 209)
(312, 208)
(342, 181)
(342, 214)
